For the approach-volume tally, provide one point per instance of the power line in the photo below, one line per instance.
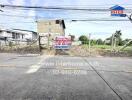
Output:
(98, 20)
(85, 20)
(54, 8)
(16, 16)
(15, 22)
(63, 6)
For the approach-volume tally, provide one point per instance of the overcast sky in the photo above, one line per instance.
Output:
(97, 29)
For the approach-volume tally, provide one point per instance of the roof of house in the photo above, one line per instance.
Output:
(25, 31)
(117, 7)
(20, 31)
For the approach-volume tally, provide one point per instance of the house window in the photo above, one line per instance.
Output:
(22, 36)
(17, 36)
(57, 21)
(13, 35)
(0, 31)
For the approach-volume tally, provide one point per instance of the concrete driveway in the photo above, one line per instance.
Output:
(31, 77)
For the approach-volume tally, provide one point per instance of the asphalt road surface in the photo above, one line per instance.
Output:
(33, 77)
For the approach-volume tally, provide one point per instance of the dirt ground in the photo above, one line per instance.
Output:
(74, 51)
(21, 50)
(81, 51)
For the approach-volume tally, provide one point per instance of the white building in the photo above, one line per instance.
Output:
(16, 36)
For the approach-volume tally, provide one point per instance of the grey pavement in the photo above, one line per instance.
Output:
(64, 78)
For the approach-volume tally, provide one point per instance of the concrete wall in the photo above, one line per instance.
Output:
(50, 26)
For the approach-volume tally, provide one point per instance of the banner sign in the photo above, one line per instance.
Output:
(62, 42)
(117, 11)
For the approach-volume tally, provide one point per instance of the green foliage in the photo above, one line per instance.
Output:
(93, 42)
(10, 44)
(83, 39)
(116, 39)
(126, 41)
(99, 42)
(118, 34)
(108, 41)
(119, 41)
(85, 42)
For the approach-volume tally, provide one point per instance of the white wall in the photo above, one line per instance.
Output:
(5, 34)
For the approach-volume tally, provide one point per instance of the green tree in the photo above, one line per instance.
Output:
(83, 39)
(126, 41)
(99, 41)
(117, 38)
(93, 42)
(108, 41)
(118, 34)
(119, 41)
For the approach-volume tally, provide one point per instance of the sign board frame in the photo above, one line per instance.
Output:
(62, 43)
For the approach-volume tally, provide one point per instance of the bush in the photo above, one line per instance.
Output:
(10, 44)
(99, 42)
(83, 39)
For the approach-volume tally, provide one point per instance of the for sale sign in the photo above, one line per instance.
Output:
(62, 42)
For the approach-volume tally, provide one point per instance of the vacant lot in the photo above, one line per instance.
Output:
(100, 50)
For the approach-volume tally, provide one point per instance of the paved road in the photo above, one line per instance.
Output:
(27, 77)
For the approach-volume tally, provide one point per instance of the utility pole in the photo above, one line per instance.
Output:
(112, 42)
(40, 43)
(115, 44)
(48, 41)
(89, 44)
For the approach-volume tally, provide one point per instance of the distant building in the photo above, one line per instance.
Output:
(16, 36)
(52, 27)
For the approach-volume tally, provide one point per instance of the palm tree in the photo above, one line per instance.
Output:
(117, 36)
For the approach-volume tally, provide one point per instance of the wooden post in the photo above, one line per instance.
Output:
(89, 44)
(115, 44)
(48, 41)
(112, 42)
(39, 43)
